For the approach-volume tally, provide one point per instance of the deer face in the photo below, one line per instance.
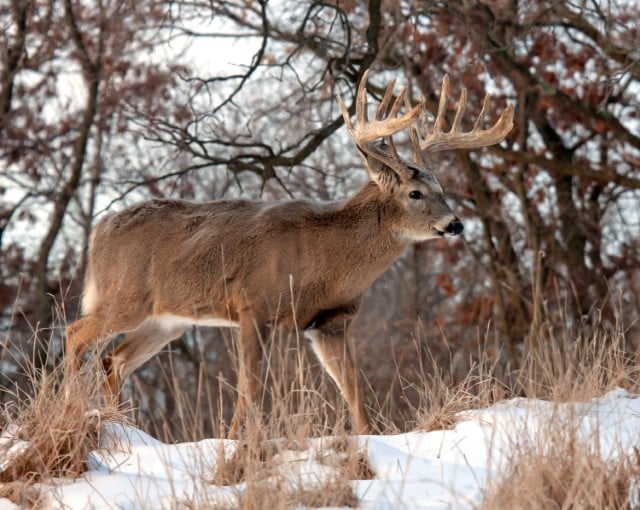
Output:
(420, 209)
(424, 212)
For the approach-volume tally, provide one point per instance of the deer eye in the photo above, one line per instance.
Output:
(415, 195)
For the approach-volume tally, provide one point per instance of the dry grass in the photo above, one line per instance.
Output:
(442, 401)
(59, 429)
(23, 494)
(560, 469)
(266, 471)
(556, 365)
(557, 467)
(53, 428)
(290, 408)
(48, 433)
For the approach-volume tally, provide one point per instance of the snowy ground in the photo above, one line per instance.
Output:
(441, 469)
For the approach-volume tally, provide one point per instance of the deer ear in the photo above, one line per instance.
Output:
(380, 173)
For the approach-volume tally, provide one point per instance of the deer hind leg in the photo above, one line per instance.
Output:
(81, 335)
(84, 333)
(139, 346)
(330, 345)
(250, 355)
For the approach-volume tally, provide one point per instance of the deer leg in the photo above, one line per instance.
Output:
(250, 354)
(81, 335)
(330, 345)
(139, 346)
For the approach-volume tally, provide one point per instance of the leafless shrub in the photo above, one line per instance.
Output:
(49, 432)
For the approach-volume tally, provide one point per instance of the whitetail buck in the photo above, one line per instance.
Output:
(160, 266)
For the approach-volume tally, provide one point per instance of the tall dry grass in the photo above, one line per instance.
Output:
(296, 402)
(57, 429)
(48, 433)
(560, 468)
(50, 429)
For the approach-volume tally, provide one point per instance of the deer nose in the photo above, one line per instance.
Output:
(454, 228)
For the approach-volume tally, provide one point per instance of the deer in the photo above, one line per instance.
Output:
(160, 266)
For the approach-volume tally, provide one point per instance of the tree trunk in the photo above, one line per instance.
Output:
(42, 289)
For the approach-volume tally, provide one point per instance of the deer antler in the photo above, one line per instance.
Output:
(385, 123)
(456, 139)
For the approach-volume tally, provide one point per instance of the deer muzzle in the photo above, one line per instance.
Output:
(454, 228)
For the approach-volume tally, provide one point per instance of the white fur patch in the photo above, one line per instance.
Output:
(89, 297)
(313, 335)
(416, 237)
(169, 321)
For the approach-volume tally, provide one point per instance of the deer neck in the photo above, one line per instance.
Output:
(374, 237)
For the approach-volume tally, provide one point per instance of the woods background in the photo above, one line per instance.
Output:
(103, 104)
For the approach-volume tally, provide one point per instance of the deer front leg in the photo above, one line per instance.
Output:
(250, 354)
(330, 344)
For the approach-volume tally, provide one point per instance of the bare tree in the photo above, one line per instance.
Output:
(68, 97)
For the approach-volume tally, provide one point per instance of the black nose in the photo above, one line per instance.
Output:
(454, 228)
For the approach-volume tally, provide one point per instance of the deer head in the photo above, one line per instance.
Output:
(422, 210)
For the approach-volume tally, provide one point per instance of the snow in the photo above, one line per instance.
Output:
(421, 470)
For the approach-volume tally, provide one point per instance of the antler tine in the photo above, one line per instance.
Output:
(361, 101)
(423, 122)
(442, 105)
(455, 138)
(462, 105)
(395, 107)
(414, 133)
(483, 111)
(386, 99)
(346, 117)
